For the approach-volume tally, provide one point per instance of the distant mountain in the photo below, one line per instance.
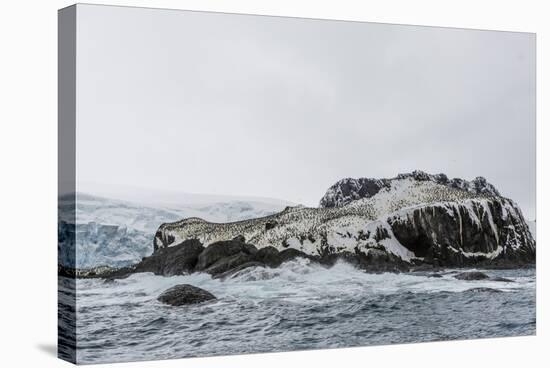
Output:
(414, 217)
(117, 233)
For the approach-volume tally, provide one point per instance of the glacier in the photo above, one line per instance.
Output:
(98, 231)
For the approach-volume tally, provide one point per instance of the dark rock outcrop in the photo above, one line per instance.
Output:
(185, 294)
(349, 189)
(222, 249)
(470, 276)
(246, 256)
(103, 272)
(220, 259)
(228, 263)
(466, 234)
(290, 254)
(377, 261)
(234, 271)
(176, 260)
(269, 256)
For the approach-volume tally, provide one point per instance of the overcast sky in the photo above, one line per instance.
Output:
(283, 108)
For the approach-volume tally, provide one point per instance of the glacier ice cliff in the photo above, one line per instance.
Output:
(97, 231)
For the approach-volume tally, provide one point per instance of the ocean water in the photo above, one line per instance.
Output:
(295, 307)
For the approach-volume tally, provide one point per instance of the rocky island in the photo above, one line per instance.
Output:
(415, 220)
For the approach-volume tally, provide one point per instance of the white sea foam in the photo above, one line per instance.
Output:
(296, 280)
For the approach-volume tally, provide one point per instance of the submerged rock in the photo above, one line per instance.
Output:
(185, 294)
(473, 275)
(484, 290)
(500, 279)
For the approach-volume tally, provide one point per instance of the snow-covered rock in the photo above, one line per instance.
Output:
(414, 217)
(349, 189)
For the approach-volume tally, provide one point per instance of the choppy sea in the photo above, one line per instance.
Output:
(294, 307)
